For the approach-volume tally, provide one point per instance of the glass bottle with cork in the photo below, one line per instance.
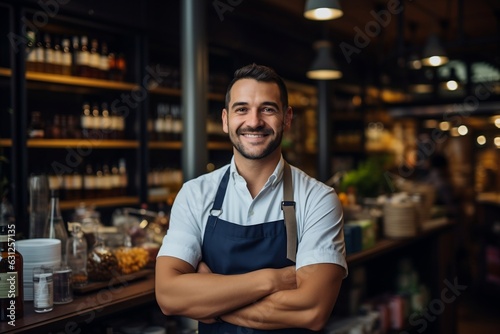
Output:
(54, 227)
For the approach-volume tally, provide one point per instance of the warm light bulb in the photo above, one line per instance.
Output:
(497, 141)
(444, 126)
(497, 122)
(435, 61)
(462, 130)
(452, 85)
(481, 140)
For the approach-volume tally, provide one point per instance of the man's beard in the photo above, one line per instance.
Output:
(271, 147)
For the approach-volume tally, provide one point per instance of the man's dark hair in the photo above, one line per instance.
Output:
(259, 73)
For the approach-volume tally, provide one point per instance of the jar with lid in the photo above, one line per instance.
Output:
(102, 264)
(76, 254)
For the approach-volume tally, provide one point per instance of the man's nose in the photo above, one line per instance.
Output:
(254, 118)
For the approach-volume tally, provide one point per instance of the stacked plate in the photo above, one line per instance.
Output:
(400, 220)
(36, 253)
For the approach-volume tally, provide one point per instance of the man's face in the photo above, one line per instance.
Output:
(255, 119)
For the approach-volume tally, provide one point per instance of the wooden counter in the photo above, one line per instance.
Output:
(84, 309)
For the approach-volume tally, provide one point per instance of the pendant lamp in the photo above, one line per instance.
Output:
(322, 10)
(434, 54)
(324, 66)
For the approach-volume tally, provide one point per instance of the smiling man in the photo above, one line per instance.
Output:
(232, 258)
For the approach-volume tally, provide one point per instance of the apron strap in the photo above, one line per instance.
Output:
(288, 207)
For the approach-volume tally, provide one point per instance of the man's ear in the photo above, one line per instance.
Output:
(224, 121)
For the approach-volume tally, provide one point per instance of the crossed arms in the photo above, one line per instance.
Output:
(263, 299)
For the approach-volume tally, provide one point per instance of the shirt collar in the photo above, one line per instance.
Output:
(274, 178)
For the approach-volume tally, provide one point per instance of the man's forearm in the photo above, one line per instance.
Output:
(206, 295)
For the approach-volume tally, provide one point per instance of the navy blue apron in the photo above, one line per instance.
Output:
(230, 248)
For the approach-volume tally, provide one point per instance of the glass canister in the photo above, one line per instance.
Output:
(76, 253)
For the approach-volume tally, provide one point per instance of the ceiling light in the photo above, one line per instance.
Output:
(322, 10)
(433, 54)
(324, 67)
(444, 126)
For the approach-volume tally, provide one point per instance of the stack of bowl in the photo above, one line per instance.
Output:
(37, 252)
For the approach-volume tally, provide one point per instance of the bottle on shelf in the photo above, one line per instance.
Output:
(36, 128)
(104, 61)
(176, 122)
(66, 57)
(55, 227)
(105, 122)
(160, 123)
(39, 64)
(73, 130)
(122, 170)
(83, 61)
(58, 61)
(30, 50)
(95, 123)
(94, 60)
(89, 182)
(55, 129)
(86, 120)
(11, 268)
(99, 182)
(107, 185)
(49, 66)
(64, 127)
(76, 251)
(121, 66)
(115, 180)
(75, 51)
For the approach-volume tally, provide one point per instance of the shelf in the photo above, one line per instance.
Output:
(100, 202)
(99, 83)
(76, 143)
(165, 145)
(387, 245)
(5, 142)
(177, 145)
(72, 80)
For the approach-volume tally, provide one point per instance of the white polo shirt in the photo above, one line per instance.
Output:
(318, 213)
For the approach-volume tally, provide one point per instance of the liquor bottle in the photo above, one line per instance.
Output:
(36, 128)
(74, 55)
(94, 60)
(95, 120)
(112, 67)
(160, 123)
(54, 227)
(104, 61)
(115, 181)
(122, 170)
(58, 61)
(121, 66)
(86, 120)
(11, 271)
(107, 185)
(105, 122)
(49, 54)
(66, 57)
(30, 50)
(54, 131)
(89, 182)
(82, 66)
(176, 122)
(76, 250)
(39, 65)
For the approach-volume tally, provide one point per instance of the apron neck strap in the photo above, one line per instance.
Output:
(288, 207)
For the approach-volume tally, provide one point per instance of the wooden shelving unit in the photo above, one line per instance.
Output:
(100, 202)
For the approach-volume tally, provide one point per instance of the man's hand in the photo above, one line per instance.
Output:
(203, 268)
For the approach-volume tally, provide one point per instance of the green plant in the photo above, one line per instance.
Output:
(368, 179)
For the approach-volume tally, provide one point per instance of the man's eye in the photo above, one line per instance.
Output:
(269, 110)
